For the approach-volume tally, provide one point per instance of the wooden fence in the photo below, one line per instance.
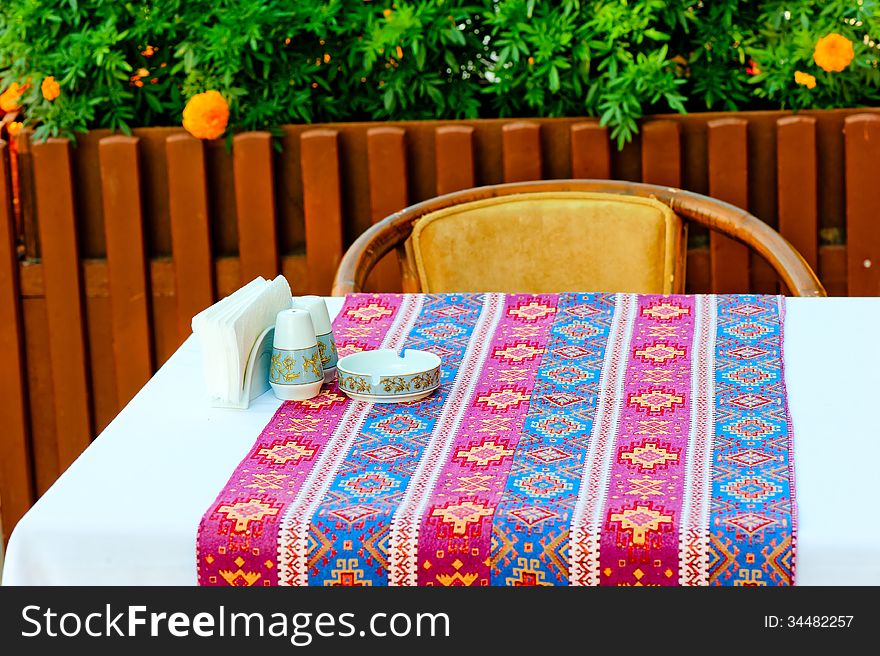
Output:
(116, 242)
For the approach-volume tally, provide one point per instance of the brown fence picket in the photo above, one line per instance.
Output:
(53, 183)
(129, 294)
(728, 181)
(16, 485)
(832, 264)
(521, 151)
(322, 207)
(454, 157)
(166, 323)
(590, 152)
(862, 139)
(661, 153)
(796, 190)
(255, 205)
(103, 389)
(386, 162)
(190, 231)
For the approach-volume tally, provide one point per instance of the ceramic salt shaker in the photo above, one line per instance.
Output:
(317, 308)
(295, 371)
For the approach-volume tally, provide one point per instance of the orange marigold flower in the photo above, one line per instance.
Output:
(833, 53)
(14, 128)
(9, 99)
(206, 115)
(805, 79)
(752, 67)
(386, 13)
(531, 61)
(142, 72)
(149, 51)
(50, 88)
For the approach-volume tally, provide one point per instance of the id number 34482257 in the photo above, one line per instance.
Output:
(808, 621)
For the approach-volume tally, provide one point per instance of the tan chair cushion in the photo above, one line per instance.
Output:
(551, 242)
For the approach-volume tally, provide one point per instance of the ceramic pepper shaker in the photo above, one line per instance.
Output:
(295, 371)
(317, 308)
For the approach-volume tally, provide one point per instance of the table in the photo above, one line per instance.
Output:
(126, 512)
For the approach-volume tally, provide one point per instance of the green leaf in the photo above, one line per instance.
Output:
(657, 35)
(456, 36)
(388, 100)
(553, 80)
(154, 103)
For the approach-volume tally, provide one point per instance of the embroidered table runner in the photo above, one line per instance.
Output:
(576, 439)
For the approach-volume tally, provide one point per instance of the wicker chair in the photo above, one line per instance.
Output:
(560, 235)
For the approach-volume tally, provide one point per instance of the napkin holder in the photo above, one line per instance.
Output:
(256, 373)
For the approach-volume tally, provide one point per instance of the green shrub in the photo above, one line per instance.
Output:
(127, 64)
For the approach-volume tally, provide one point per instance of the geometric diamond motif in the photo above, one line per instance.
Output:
(646, 487)
(440, 330)
(518, 352)
(653, 427)
(751, 488)
(292, 450)
(748, 375)
(385, 453)
(641, 520)
(582, 311)
(568, 375)
(659, 352)
(532, 311)
(369, 312)
(750, 458)
(450, 311)
(532, 515)
(484, 454)
(547, 454)
(352, 514)
(370, 483)
(245, 512)
(750, 401)
(751, 428)
(572, 351)
(748, 310)
(502, 399)
(579, 330)
(648, 456)
(747, 352)
(656, 401)
(751, 523)
(666, 311)
(561, 399)
(557, 425)
(459, 515)
(399, 424)
(542, 485)
(749, 330)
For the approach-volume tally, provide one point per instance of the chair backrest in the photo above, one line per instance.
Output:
(394, 231)
(550, 241)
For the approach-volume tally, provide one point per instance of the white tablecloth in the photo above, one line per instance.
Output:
(126, 512)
